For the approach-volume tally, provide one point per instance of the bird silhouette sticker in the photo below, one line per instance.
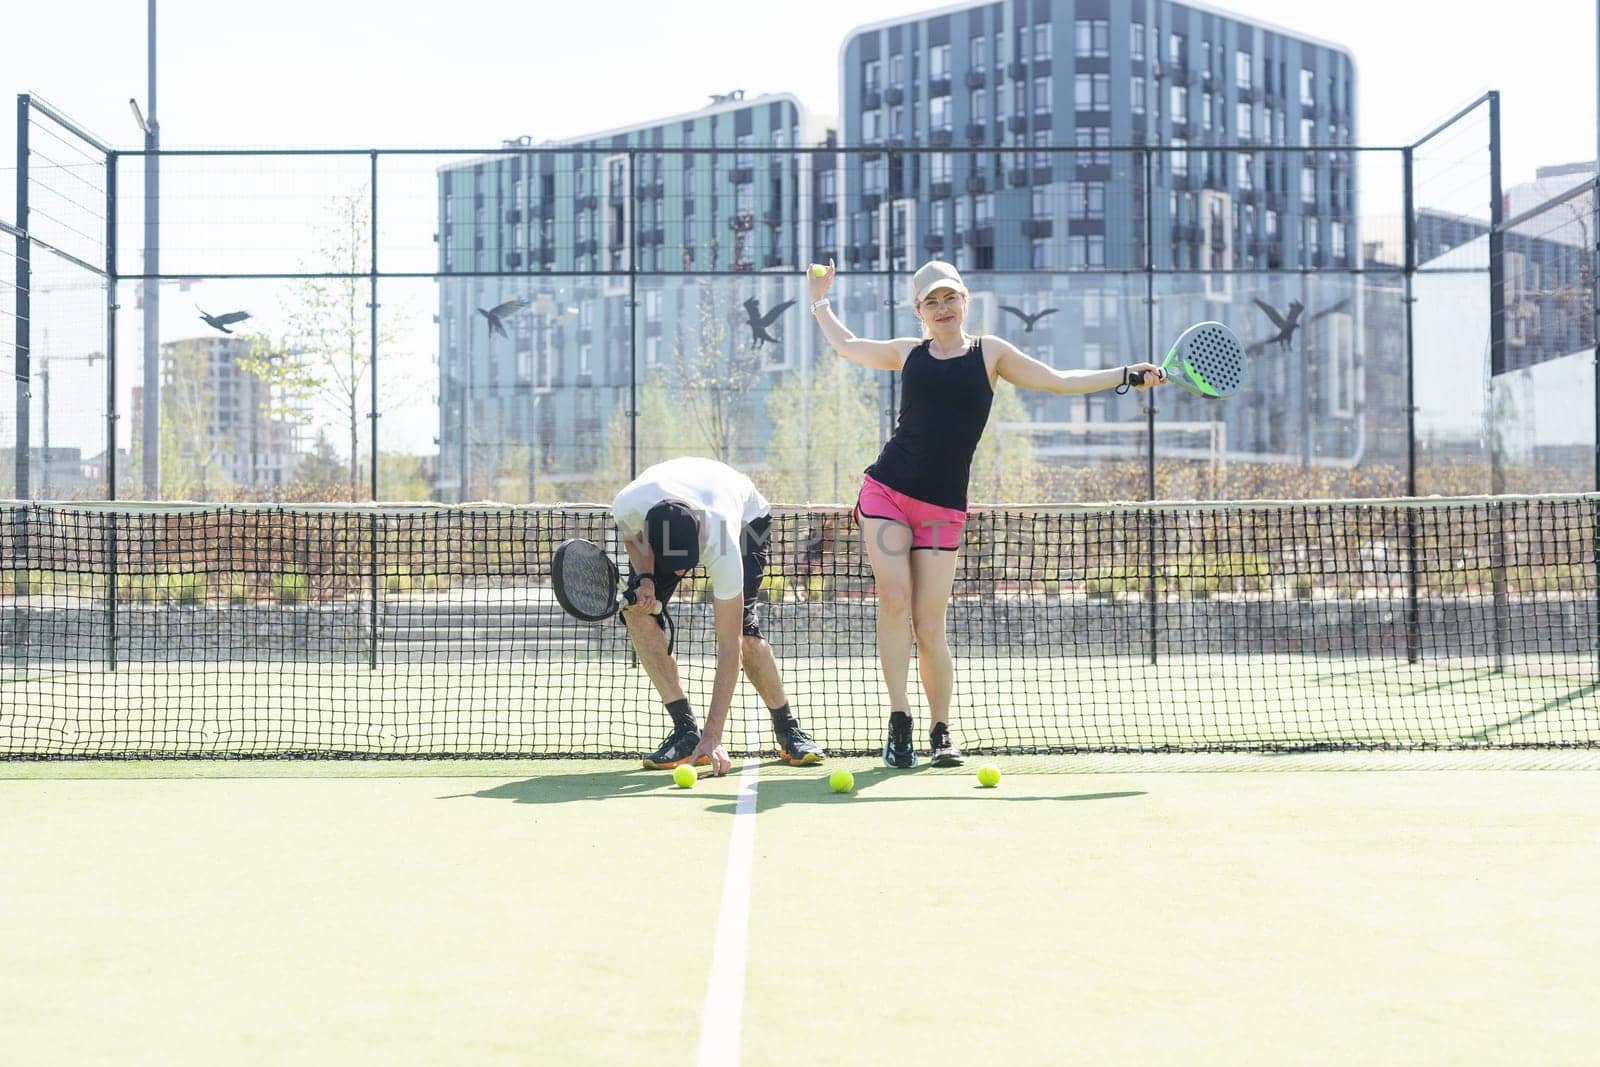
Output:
(760, 322)
(500, 312)
(1028, 320)
(222, 322)
(1286, 323)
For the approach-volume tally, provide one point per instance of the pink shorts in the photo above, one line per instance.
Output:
(932, 527)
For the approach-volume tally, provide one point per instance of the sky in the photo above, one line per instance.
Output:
(298, 73)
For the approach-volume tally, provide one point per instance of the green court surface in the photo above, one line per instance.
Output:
(580, 705)
(1373, 908)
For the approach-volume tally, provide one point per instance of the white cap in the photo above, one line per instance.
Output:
(936, 274)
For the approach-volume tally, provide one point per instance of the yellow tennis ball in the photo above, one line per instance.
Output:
(685, 776)
(819, 271)
(841, 781)
(989, 775)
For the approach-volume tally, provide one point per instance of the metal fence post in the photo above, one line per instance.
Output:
(1413, 617)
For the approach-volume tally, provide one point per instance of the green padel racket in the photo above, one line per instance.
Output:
(1207, 359)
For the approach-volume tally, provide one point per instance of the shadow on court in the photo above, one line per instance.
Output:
(771, 792)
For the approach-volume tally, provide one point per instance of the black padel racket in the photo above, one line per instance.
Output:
(585, 581)
(1207, 359)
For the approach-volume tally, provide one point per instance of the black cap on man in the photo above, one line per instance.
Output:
(674, 538)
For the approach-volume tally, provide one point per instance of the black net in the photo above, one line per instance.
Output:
(322, 631)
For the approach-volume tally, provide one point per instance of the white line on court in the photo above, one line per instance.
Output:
(722, 1018)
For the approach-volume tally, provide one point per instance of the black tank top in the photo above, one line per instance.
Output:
(944, 406)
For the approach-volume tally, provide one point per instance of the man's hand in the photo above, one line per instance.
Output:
(645, 598)
(711, 745)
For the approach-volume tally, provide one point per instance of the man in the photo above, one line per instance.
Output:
(674, 516)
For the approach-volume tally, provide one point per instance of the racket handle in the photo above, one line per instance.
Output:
(630, 596)
(1136, 377)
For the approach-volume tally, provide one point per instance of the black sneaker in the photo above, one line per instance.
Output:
(897, 748)
(944, 752)
(795, 746)
(675, 750)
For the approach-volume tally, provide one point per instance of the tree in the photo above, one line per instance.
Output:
(713, 377)
(823, 433)
(324, 353)
(1005, 468)
(191, 445)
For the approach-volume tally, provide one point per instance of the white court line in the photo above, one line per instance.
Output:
(722, 1018)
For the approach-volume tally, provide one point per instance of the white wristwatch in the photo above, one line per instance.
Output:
(815, 304)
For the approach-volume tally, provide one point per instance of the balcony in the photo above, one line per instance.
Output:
(827, 210)
(871, 100)
(514, 260)
(772, 260)
(1019, 124)
(1016, 69)
(742, 175)
(939, 86)
(586, 247)
(547, 209)
(1270, 100)
(1041, 174)
(894, 95)
(514, 216)
(980, 235)
(1179, 182)
(976, 79)
(1247, 94)
(939, 190)
(975, 132)
(933, 242)
(870, 201)
(588, 202)
(1037, 227)
(1019, 177)
(940, 138)
(872, 253)
(977, 183)
(1187, 233)
(853, 253)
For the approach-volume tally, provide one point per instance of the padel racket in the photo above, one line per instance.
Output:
(1207, 359)
(585, 582)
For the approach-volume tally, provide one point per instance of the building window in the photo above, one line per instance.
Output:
(1309, 229)
(939, 167)
(1077, 252)
(1002, 101)
(1180, 103)
(1135, 95)
(1205, 111)
(1180, 157)
(1041, 253)
(869, 76)
(897, 121)
(1308, 88)
(1246, 172)
(1205, 56)
(1041, 41)
(1043, 139)
(1043, 91)
(978, 105)
(870, 126)
(983, 209)
(897, 70)
(1092, 38)
(1308, 130)
(1178, 49)
(1336, 244)
(975, 53)
(939, 113)
(872, 177)
(1096, 199)
(830, 184)
(1092, 91)
(1308, 185)
(1245, 128)
(1097, 251)
(1136, 42)
(1241, 70)
(939, 62)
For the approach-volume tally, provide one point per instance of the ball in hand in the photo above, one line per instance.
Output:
(685, 776)
(819, 271)
(989, 775)
(841, 781)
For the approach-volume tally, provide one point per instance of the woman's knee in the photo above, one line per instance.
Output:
(929, 627)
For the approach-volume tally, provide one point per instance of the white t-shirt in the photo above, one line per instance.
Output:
(721, 499)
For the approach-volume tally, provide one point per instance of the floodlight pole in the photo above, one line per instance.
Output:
(150, 433)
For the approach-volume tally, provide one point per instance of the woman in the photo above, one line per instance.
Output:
(913, 501)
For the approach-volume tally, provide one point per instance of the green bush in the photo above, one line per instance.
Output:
(774, 587)
(187, 587)
(436, 583)
(141, 589)
(397, 583)
(291, 587)
(236, 587)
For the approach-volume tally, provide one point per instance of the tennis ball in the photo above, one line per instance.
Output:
(841, 781)
(685, 776)
(819, 271)
(988, 775)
